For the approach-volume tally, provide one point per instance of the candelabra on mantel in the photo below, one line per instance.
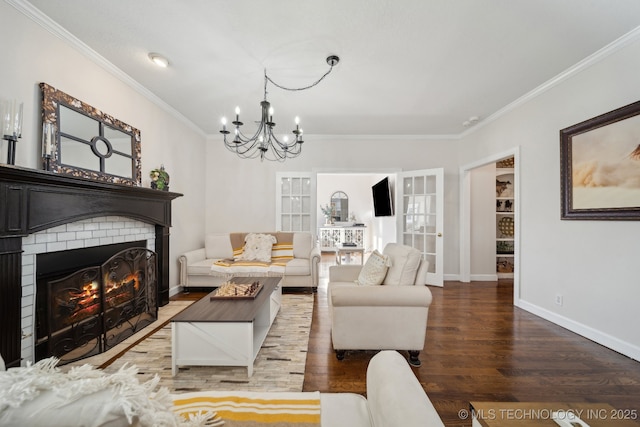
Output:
(11, 115)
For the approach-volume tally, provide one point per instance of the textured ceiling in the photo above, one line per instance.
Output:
(410, 67)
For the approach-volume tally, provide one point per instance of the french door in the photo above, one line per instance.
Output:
(293, 201)
(420, 217)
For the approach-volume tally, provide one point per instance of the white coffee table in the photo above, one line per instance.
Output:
(225, 332)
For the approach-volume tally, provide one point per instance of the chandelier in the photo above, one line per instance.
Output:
(264, 143)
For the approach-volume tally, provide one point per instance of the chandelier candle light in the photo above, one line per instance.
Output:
(264, 143)
(11, 116)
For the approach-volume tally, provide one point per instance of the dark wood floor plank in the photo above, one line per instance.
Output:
(479, 347)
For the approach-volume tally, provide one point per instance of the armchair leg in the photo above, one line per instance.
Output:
(413, 358)
(340, 354)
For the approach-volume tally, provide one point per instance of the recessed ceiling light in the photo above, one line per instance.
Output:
(159, 60)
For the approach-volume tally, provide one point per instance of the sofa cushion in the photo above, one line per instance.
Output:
(298, 267)
(257, 247)
(217, 245)
(405, 261)
(201, 268)
(374, 270)
(302, 245)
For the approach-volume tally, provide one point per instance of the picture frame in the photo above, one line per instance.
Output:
(600, 167)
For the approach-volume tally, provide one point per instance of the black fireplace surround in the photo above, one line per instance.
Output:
(34, 200)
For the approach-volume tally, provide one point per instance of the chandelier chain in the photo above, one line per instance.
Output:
(295, 88)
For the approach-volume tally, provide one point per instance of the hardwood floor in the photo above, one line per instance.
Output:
(479, 347)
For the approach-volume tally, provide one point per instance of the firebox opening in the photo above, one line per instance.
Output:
(88, 300)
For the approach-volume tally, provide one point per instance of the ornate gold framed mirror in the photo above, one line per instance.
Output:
(82, 141)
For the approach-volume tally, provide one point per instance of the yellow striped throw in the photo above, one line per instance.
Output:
(252, 409)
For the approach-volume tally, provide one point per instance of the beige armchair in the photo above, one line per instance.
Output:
(390, 316)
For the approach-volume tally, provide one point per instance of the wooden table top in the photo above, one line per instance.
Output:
(525, 414)
(226, 310)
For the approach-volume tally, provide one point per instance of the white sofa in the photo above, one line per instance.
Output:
(394, 398)
(389, 316)
(208, 266)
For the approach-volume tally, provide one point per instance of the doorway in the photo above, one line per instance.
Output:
(466, 198)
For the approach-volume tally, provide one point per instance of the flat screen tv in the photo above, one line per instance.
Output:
(382, 202)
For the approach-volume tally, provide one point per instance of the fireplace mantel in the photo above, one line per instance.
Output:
(34, 200)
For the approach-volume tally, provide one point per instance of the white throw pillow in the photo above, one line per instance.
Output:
(257, 247)
(217, 246)
(374, 270)
(405, 261)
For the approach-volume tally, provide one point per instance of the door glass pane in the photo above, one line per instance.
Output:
(432, 263)
(407, 184)
(286, 204)
(306, 204)
(295, 204)
(430, 244)
(430, 184)
(286, 185)
(430, 204)
(306, 186)
(296, 224)
(419, 242)
(286, 223)
(407, 202)
(306, 223)
(418, 185)
(296, 187)
(430, 224)
(419, 205)
(407, 239)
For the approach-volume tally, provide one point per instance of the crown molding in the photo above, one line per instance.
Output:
(590, 60)
(57, 30)
(44, 21)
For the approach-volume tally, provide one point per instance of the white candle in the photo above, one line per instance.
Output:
(48, 128)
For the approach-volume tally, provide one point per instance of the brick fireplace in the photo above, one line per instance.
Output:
(42, 212)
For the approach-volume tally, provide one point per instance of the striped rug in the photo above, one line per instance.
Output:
(279, 366)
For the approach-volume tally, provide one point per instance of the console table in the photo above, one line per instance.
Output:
(225, 332)
(333, 237)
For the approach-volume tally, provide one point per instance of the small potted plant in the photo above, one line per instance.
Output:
(159, 179)
(328, 214)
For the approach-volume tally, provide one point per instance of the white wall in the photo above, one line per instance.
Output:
(248, 186)
(32, 55)
(592, 264)
(483, 222)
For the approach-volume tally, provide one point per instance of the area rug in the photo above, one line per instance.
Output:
(279, 365)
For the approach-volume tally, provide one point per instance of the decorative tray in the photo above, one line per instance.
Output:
(237, 291)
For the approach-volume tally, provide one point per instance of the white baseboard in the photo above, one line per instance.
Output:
(588, 332)
(474, 277)
(484, 277)
(174, 290)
